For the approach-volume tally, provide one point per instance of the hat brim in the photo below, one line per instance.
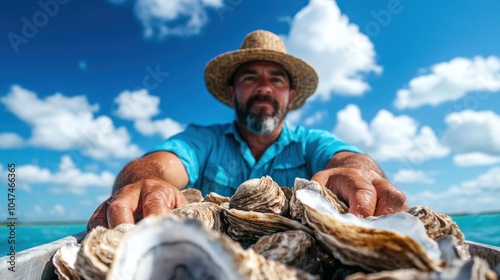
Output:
(219, 71)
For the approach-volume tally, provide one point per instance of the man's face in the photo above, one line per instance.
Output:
(261, 95)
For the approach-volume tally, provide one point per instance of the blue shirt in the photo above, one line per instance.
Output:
(218, 160)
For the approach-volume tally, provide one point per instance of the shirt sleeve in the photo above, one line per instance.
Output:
(192, 147)
(321, 146)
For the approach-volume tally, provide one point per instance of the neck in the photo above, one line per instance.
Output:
(258, 144)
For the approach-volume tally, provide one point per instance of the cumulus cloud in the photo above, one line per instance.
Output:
(66, 179)
(404, 176)
(174, 17)
(9, 140)
(474, 136)
(388, 137)
(57, 210)
(448, 81)
(64, 123)
(139, 106)
(321, 35)
(477, 195)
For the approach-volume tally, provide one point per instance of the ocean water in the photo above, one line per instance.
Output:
(483, 228)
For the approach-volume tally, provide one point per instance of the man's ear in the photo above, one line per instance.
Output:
(291, 98)
(230, 94)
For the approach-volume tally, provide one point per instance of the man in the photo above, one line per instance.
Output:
(262, 82)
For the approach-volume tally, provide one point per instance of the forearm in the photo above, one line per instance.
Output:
(354, 160)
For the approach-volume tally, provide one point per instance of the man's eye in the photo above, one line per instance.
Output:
(248, 78)
(277, 80)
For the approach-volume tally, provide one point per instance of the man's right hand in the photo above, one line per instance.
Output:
(145, 197)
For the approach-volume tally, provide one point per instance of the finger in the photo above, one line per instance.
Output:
(321, 177)
(99, 218)
(362, 202)
(155, 202)
(389, 199)
(123, 206)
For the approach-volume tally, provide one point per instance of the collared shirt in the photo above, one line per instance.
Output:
(217, 159)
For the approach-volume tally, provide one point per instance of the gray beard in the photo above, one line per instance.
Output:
(257, 123)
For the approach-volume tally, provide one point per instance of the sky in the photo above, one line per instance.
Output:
(87, 86)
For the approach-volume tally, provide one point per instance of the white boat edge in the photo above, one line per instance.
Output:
(36, 262)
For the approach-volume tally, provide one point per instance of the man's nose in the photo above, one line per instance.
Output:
(264, 86)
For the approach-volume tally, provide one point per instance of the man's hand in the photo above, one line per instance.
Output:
(145, 197)
(364, 189)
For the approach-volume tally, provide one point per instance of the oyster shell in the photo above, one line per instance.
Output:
(295, 248)
(192, 195)
(98, 251)
(247, 227)
(170, 248)
(473, 269)
(260, 195)
(215, 198)
(296, 208)
(388, 242)
(64, 261)
(210, 214)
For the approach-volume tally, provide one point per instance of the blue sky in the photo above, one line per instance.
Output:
(86, 86)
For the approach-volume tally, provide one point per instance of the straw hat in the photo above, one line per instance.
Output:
(260, 45)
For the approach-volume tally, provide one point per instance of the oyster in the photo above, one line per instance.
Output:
(167, 247)
(64, 261)
(215, 198)
(295, 248)
(296, 208)
(248, 226)
(473, 269)
(98, 251)
(192, 195)
(260, 195)
(388, 242)
(210, 214)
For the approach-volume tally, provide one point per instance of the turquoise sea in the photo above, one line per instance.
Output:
(484, 228)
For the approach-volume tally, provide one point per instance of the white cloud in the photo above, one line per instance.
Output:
(139, 107)
(57, 210)
(388, 137)
(474, 136)
(450, 81)
(66, 179)
(317, 117)
(161, 18)
(472, 159)
(404, 176)
(9, 140)
(293, 118)
(339, 52)
(136, 105)
(63, 123)
(477, 195)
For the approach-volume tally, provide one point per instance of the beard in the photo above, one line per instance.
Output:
(260, 122)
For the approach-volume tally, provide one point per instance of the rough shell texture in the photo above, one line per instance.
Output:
(215, 198)
(295, 248)
(296, 207)
(97, 253)
(192, 195)
(473, 269)
(437, 224)
(64, 261)
(167, 247)
(210, 214)
(388, 242)
(248, 226)
(260, 195)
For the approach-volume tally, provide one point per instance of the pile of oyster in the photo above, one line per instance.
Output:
(265, 231)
